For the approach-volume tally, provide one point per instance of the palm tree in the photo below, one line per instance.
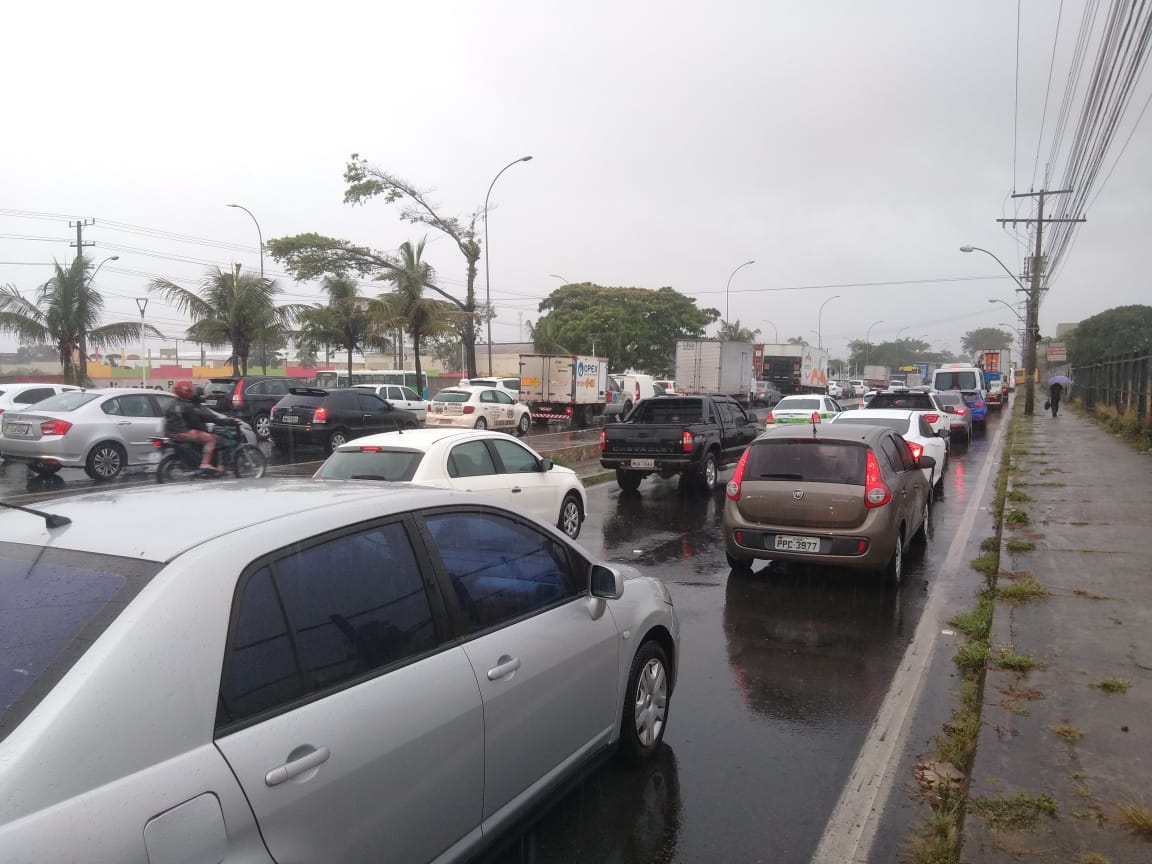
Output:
(545, 336)
(732, 331)
(233, 309)
(797, 340)
(65, 315)
(421, 316)
(349, 320)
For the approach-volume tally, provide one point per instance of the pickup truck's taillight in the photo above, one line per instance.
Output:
(732, 490)
(603, 440)
(687, 442)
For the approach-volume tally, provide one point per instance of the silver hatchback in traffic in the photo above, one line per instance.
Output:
(296, 671)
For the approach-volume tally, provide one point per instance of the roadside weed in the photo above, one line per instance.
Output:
(1018, 517)
(1021, 811)
(1021, 546)
(1137, 817)
(1024, 589)
(1018, 496)
(1113, 685)
(1069, 733)
(1007, 658)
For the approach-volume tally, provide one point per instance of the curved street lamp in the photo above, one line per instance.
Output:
(563, 279)
(1019, 317)
(820, 321)
(84, 336)
(487, 275)
(868, 339)
(775, 332)
(727, 286)
(967, 248)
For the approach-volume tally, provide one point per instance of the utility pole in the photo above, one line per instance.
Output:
(1032, 313)
(80, 225)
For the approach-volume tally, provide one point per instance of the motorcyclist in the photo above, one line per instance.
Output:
(187, 419)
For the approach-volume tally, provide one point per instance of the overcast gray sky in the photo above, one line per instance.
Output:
(836, 143)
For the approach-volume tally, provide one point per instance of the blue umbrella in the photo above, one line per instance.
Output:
(1060, 379)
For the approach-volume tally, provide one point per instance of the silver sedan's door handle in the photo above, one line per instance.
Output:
(297, 767)
(504, 666)
(123, 422)
(516, 489)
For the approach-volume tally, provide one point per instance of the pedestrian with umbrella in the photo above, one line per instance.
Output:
(1056, 385)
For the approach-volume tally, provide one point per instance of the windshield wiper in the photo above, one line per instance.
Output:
(370, 477)
(51, 520)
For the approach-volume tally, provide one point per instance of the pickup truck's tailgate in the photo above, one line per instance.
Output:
(621, 439)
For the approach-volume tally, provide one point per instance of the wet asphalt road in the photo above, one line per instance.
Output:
(782, 672)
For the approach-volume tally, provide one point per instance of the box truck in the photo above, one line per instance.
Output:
(567, 387)
(706, 366)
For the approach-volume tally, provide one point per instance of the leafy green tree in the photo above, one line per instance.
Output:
(732, 331)
(986, 337)
(421, 316)
(349, 320)
(233, 309)
(892, 354)
(65, 315)
(545, 337)
(1114, 331)
(633, 327)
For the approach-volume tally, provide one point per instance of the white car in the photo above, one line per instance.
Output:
(913, 427)
(858, 388)
(479, 408)
(477, 460)
(838, 389)
(16, 397)
(399, 397)
(511, 386)
(799, 409)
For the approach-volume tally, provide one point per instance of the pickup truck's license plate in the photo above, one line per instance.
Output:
(642, 463)
(790, 543)
(290, 418)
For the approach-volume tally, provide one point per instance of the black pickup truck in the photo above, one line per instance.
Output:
(694, 436)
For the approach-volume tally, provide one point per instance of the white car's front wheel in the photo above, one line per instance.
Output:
(524, 424)
(570, 516)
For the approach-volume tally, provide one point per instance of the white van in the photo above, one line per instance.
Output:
(633, 388)
(958, 376)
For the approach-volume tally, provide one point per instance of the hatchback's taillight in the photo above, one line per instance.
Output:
(732, 490)
(932, 418)
(320, 415)
(977, 404)
(603, 440)
(960, 412)
(55, 427)
(238, 395)
(687, 442)
(917, 449)
(469, 409)
(876, 491)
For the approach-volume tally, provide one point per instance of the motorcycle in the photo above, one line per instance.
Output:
(236, 451)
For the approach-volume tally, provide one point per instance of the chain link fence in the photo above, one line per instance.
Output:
(1123, 382)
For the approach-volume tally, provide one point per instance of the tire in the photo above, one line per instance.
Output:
(926, 520)
(645, 714)
(481, 423)
(171, 471)
(105, 461)
(739, 565)
(628, 481)
(248, 463)
(571, 516)
(894, 571)
(45, 469)
(707, 473)
(587, 416)
(262, 426)
(524, 425)
(336, 438)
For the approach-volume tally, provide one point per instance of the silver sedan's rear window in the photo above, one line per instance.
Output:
(67, 401)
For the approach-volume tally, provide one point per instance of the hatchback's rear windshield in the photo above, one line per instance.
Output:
(669, 410)
(219, 387)
(790, 404)
(67, 401)
(807, 461)
(308, 400)
(353, 463)
(53, 605)
(963, 380)
(949, 399)
(898, 423)
(452, 396)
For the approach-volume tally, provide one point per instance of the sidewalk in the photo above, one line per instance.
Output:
(1054, 730)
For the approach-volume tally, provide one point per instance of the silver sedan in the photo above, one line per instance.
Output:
(102, 431)
(265, 671)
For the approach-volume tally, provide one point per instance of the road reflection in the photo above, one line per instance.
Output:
(620, 814)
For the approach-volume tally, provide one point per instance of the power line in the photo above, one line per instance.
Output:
(1047, 91)
(1016, 99)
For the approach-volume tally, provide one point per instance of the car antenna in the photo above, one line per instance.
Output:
(51, 520)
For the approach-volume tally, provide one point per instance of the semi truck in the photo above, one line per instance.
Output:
(791, 368)
(710, 367)
(877, 377)
(565, 387)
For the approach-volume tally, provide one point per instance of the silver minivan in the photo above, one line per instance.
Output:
(287, 670)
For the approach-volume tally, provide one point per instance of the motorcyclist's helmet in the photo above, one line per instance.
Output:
(184, 389)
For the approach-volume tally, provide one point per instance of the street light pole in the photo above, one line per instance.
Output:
(1019, 317)
(775, 332)
(727, 319)
(487, 274)
(142, 303)
(260, 235)
(563, 279)
(83, 334)
(868, 340)
(820, 321)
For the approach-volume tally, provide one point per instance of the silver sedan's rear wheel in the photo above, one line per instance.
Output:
(105, 461)
(646, 703)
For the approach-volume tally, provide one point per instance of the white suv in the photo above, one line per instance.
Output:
(858, 387)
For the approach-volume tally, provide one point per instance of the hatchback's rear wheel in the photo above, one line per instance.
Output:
(645, 712)
(336, 439)
(740, 565)
(262, 426)
(481, 423)
(895, 569)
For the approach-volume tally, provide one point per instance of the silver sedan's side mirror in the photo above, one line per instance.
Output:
(607, 582)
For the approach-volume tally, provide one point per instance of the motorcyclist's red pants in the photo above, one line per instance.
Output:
(207, 441)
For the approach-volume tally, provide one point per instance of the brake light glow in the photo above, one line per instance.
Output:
(469, 409)
(687, 442)
(770, 419)
(568, 410)
(917, 449)
(876, 491)
(238, 394)
(960, 412)
(55, 427)
(603, 440)
(815, 417)
(977, 404)
(732, 490)
(371, 448)
(932, 418)
(321, 415)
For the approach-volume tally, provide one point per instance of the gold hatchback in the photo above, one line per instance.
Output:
(848, 496)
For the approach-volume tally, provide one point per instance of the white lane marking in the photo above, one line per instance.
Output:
(851, 829)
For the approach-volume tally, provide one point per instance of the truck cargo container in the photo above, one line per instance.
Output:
(566, 387)
(707, 366)
(792, 368)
